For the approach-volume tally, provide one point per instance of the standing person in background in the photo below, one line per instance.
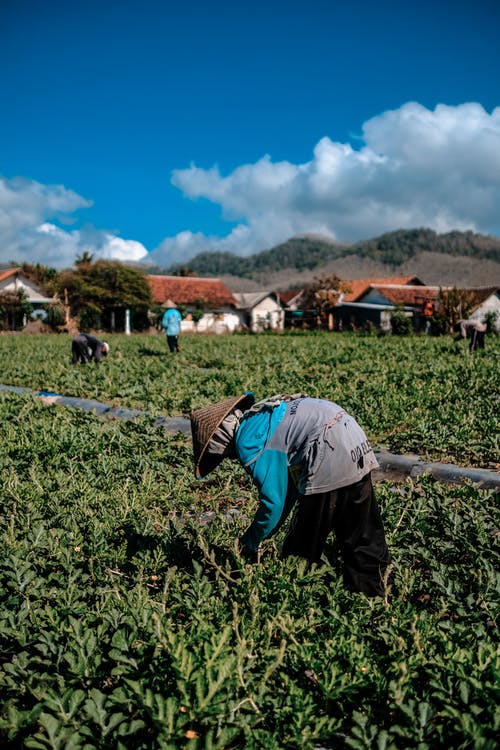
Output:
(428, 313)
(307, 455)
(171, 323)
(85, 348)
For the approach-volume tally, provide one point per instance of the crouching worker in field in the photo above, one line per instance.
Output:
(475, 330)
(85, 348)
(305, 454)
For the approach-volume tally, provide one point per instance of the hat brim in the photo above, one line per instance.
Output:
(204, 422)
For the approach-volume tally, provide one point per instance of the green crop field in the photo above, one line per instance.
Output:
(128, 621)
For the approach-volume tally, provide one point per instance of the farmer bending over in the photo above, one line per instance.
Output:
(475, 330)
(86, 347)
(305, 454)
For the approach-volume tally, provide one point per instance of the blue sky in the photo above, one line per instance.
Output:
(158, 129)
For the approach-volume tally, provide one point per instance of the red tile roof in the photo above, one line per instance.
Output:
(359, 287)
(186, 290)
(9, 272)
(414, 296)
(288, 295)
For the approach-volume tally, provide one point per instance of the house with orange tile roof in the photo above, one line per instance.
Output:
(13, 281)
(291, 298)
(351, 310)
(192, 295)
(357, 288)
(379, 299)
(373, 301)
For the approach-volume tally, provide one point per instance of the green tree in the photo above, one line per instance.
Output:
(84, 259)
(401, 324)
(100, 292)
(454, 305)
(15, 309)
(198, 312)
(322, 295)
(491, 319)
(43, 276)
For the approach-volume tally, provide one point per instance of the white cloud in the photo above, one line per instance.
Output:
(117, 248)
(417, 167)
(27, 232)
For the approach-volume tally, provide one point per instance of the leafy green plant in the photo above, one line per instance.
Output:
(127, 620)
(401, 324)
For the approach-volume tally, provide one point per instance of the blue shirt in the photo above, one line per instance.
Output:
(171, 322)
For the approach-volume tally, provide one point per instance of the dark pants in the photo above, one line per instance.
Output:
(173, 343)
(353, 514)
(476, 340)
(80, 351)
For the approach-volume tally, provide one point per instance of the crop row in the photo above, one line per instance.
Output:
(127, 621)
(414, 394)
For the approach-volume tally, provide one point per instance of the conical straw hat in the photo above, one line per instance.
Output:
(169, 304)
(204, 422)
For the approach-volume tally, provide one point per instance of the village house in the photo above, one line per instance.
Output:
(292, 302)
(361, 305)
(380, 298)
(260, 311)
(413, 298)
(487, 300)
(373, 301)
(13, 281)
(207, 304)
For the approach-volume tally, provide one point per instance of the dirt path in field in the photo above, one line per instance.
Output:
(393, 467)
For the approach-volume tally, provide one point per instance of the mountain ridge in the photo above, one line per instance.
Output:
(452, 258)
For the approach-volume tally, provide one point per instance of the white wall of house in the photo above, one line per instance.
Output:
(267, 314)
(491, 304)
(221, 321)
(385, 320)
(15, 283)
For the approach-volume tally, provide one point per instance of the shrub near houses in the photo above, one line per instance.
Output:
(100, 292)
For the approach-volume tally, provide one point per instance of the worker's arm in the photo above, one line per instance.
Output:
(270, 475)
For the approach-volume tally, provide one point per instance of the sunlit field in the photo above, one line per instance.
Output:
(128, 621)
(420, 394)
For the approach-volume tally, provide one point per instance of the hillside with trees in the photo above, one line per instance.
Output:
(398, 247)
(299, 253)
(451, 258)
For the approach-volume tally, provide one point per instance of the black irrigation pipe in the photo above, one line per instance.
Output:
(390, 463)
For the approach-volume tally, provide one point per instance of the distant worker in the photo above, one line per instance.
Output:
(171, 323)
(428, 313)
(306, 455)
(475, 330)
(85, 348)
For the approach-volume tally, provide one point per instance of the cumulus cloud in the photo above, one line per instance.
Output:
(28, 211)
(416, 167)
(411, 167)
